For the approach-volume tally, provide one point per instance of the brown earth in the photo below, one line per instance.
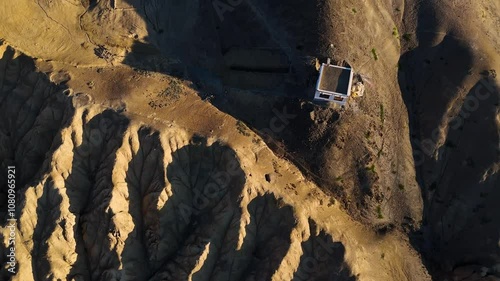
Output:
(166, 140)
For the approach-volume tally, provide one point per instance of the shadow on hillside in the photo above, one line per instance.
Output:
(267, 236)
(203, 211)
(450, 171)
(88, 188)
(322, 259)
(33, 111)
(200, 219)
(145, 181)
(27, 131)
(198, 34)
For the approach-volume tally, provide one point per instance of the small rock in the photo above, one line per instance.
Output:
(312, 115)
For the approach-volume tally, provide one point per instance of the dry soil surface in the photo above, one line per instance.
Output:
(170, 140)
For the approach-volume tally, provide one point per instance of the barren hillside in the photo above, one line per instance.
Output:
(170, 140)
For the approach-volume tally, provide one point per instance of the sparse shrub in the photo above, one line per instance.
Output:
(382, 113)
(371, 168)
(395, 32)
(256, 141)
(374, 53)
(167, 96)
(379, 153)
(354, 10)
(242, 128)
(401, 186)
(379, 212)
(173, 91)
(331, 202)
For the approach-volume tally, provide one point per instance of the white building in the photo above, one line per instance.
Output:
(334, 83)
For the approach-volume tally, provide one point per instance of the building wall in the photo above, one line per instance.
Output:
(331, 97)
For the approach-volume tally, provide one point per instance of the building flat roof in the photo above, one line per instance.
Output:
(334, 79)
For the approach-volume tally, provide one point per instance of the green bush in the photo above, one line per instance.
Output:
(379, 212)
(395, 32)
(371, 168)
(374, 53)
